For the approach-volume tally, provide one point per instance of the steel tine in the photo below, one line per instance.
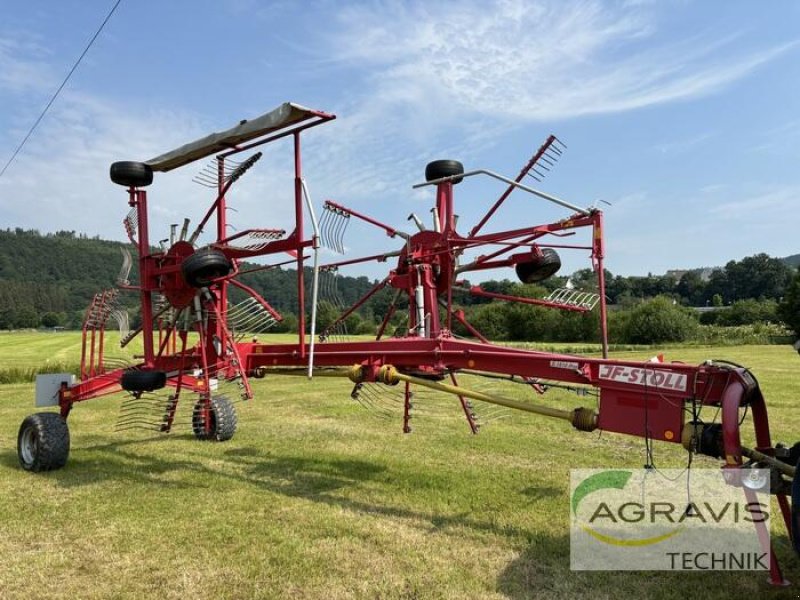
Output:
(552, 156)
(344, 230)
(337, 227)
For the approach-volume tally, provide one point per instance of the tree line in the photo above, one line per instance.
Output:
(49, 280)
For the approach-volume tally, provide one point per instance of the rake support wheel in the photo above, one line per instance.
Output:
(202, 267)
(222, 416)
(444, 168)
(143, 381)
(43, 442)
(540, 268)
(131, 174)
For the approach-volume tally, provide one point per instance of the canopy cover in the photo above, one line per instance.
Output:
(285, 115)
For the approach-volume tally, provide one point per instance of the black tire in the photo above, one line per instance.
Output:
(796, 509)
(540, 268)
(223, 420)
(43, 442)
(131, 174)
(204, 266)
(143, 381)
(444, 168)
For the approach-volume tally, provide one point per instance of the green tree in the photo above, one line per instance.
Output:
(659, 320)
(51, 319)
(789, 308)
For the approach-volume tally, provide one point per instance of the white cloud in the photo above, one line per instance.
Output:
(411, 73)
(530, 61)
(19, 75)
(764, 205)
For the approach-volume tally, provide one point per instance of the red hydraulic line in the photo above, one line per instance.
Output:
(733, 398)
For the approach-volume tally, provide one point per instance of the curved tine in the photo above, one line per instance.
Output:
(323, 227)
(330, 230)
(340, 233)
(336, 222)
(344, 230)
(330, 226)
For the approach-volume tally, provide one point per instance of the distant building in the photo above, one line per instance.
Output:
(705, 273)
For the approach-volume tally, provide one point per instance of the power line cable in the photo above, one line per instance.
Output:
(58, 91)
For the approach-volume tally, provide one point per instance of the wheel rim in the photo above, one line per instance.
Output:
(28, 446)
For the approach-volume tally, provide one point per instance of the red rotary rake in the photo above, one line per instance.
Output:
(196, 339)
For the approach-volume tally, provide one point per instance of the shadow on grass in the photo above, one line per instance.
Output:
(324, 480)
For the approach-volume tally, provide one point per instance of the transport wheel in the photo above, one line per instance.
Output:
(444, 168)
(223, 420)
(540, 268)
(129, 173)
(143, 381)
(796, 510)
(205, 265)
(43, 442)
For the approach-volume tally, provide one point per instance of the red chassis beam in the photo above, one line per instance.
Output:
(646, 399)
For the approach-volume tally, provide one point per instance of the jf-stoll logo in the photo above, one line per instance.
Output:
(660, 520)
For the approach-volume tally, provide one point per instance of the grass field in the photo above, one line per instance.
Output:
(318, 497)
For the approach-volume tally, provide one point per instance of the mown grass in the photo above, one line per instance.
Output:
(318, 497)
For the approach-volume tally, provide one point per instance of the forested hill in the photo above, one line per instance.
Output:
(59, 273)
(793, 260)
(50, 279)
(54, 273)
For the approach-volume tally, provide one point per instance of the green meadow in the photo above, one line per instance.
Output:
(320, 496)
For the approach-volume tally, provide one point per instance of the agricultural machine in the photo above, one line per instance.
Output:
(197, 341)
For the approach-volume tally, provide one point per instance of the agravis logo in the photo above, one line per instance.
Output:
(612, 480)
(642, 519)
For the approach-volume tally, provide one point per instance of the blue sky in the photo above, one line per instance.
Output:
(685, 116)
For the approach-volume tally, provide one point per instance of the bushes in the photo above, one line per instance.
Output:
(657, 321)
(743, 312)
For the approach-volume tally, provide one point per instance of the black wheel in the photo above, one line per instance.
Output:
(444, 168)
(143, 381)
(129, 173)
(540, 268)
(796, 509)
(222, 416)
(205, 265)
(43, 442)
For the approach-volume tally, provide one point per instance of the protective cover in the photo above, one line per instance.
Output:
(285, 115)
